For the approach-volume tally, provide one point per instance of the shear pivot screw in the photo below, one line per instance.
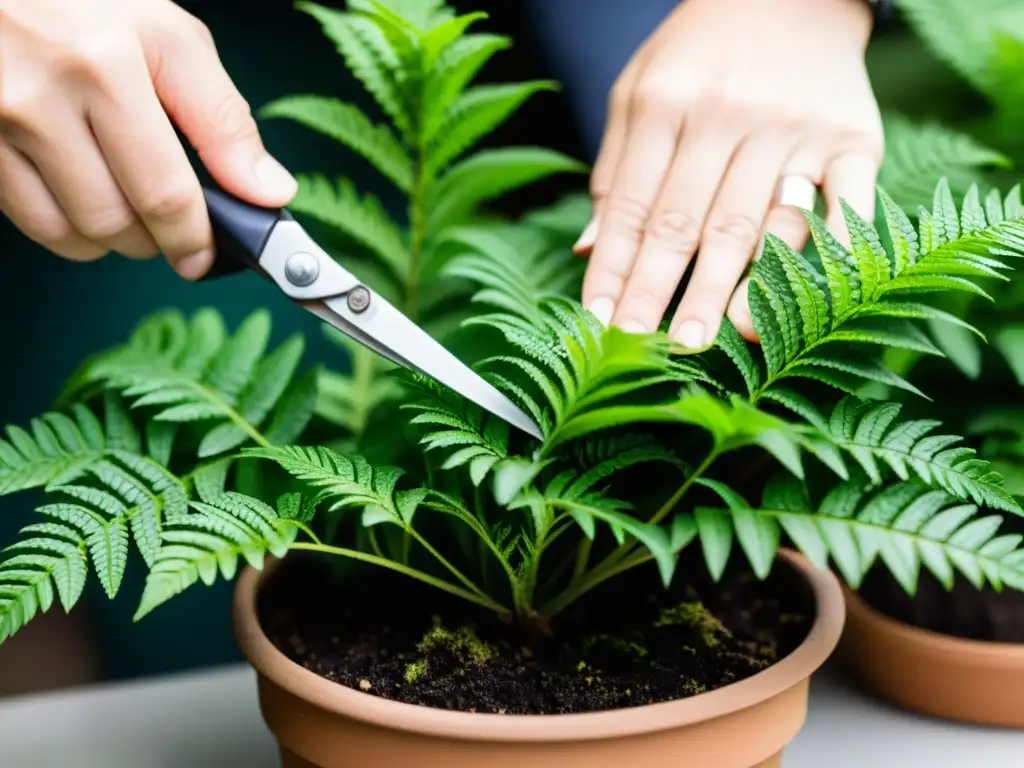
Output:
(358, 299)
(301, 269)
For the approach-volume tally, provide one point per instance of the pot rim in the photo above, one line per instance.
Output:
(339, 699)
(937, 643)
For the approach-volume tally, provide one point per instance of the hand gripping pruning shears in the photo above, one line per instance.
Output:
(273, 244)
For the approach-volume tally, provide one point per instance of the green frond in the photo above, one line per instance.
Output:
(599, 464)
(346, 124)
(1009, 340)
(487, 175)
(653, 538)
(184, 372)
(919, 155)
(515, 268)
(477, 112)
(424, 15)
(347, 481)
(906, 526)
(827, 323)
(964, 34)
(208, 542)
(55, 445)
(347, 400)
(96, 511)
(872, 433)
(369, 55)
(571, 372)
(48, 563)
(362, 219)
(453, 70)
(480, 440)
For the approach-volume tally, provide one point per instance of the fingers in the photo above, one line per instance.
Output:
(649, 148)
(850, 176)
(732, 233)
(65, 155)
(200, 97)
(804, 170)
(673, 230)
(608, 157)
(151, 168)
(27, 201)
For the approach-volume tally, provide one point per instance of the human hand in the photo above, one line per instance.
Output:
(725, 98)
(89, 159)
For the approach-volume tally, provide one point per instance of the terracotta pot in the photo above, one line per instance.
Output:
(321, 724)
(940, 675)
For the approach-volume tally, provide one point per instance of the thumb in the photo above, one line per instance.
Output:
(201, 99)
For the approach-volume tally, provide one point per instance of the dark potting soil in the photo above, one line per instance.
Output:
(629, 644)
(965, 612)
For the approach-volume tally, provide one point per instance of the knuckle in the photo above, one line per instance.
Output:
(95, 57)
(600, 184)
(847, 138)
(677, 229)
(628, 213)
(185, 31)
(169, 202)
(620, 96)
(234, 117)
(107, 224)
(49, 231)
(736, 229)
(786, 219)
(653, 96)
(198, 30)
(20, 107)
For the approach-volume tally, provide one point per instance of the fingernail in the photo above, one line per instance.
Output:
(274, 176)
(602, 308)
(587, 238)
(195, 265)
(633, 326)
(690, 334)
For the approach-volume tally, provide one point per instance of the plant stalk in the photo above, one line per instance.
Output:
(417, 232)
(426, 578)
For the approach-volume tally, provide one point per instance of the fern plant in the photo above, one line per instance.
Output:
(545, 522)
(981, 44)
(203, 451)
(418, 62)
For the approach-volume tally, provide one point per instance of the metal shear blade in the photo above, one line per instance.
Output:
(308, 275)
(390, 333)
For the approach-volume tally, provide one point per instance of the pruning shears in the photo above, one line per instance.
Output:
(272, 243)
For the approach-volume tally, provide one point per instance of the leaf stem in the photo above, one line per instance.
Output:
(579, 588)
(417, 230)
(663, 511)
(582, 558)
(426, 578)
(467, 582)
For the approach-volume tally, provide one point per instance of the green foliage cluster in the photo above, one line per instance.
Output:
(203, 450)
(980, 42)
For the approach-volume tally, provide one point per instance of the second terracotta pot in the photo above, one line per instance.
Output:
(321, 724)
(939, 675)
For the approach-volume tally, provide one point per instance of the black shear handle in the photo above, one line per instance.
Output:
(240, 231)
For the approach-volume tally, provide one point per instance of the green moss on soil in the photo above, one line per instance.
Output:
(414, 671)
(627, 647)
(463, 642)
(695, 616)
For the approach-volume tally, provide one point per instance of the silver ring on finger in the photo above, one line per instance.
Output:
(797, 191)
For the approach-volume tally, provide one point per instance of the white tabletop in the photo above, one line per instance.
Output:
(210, 720)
